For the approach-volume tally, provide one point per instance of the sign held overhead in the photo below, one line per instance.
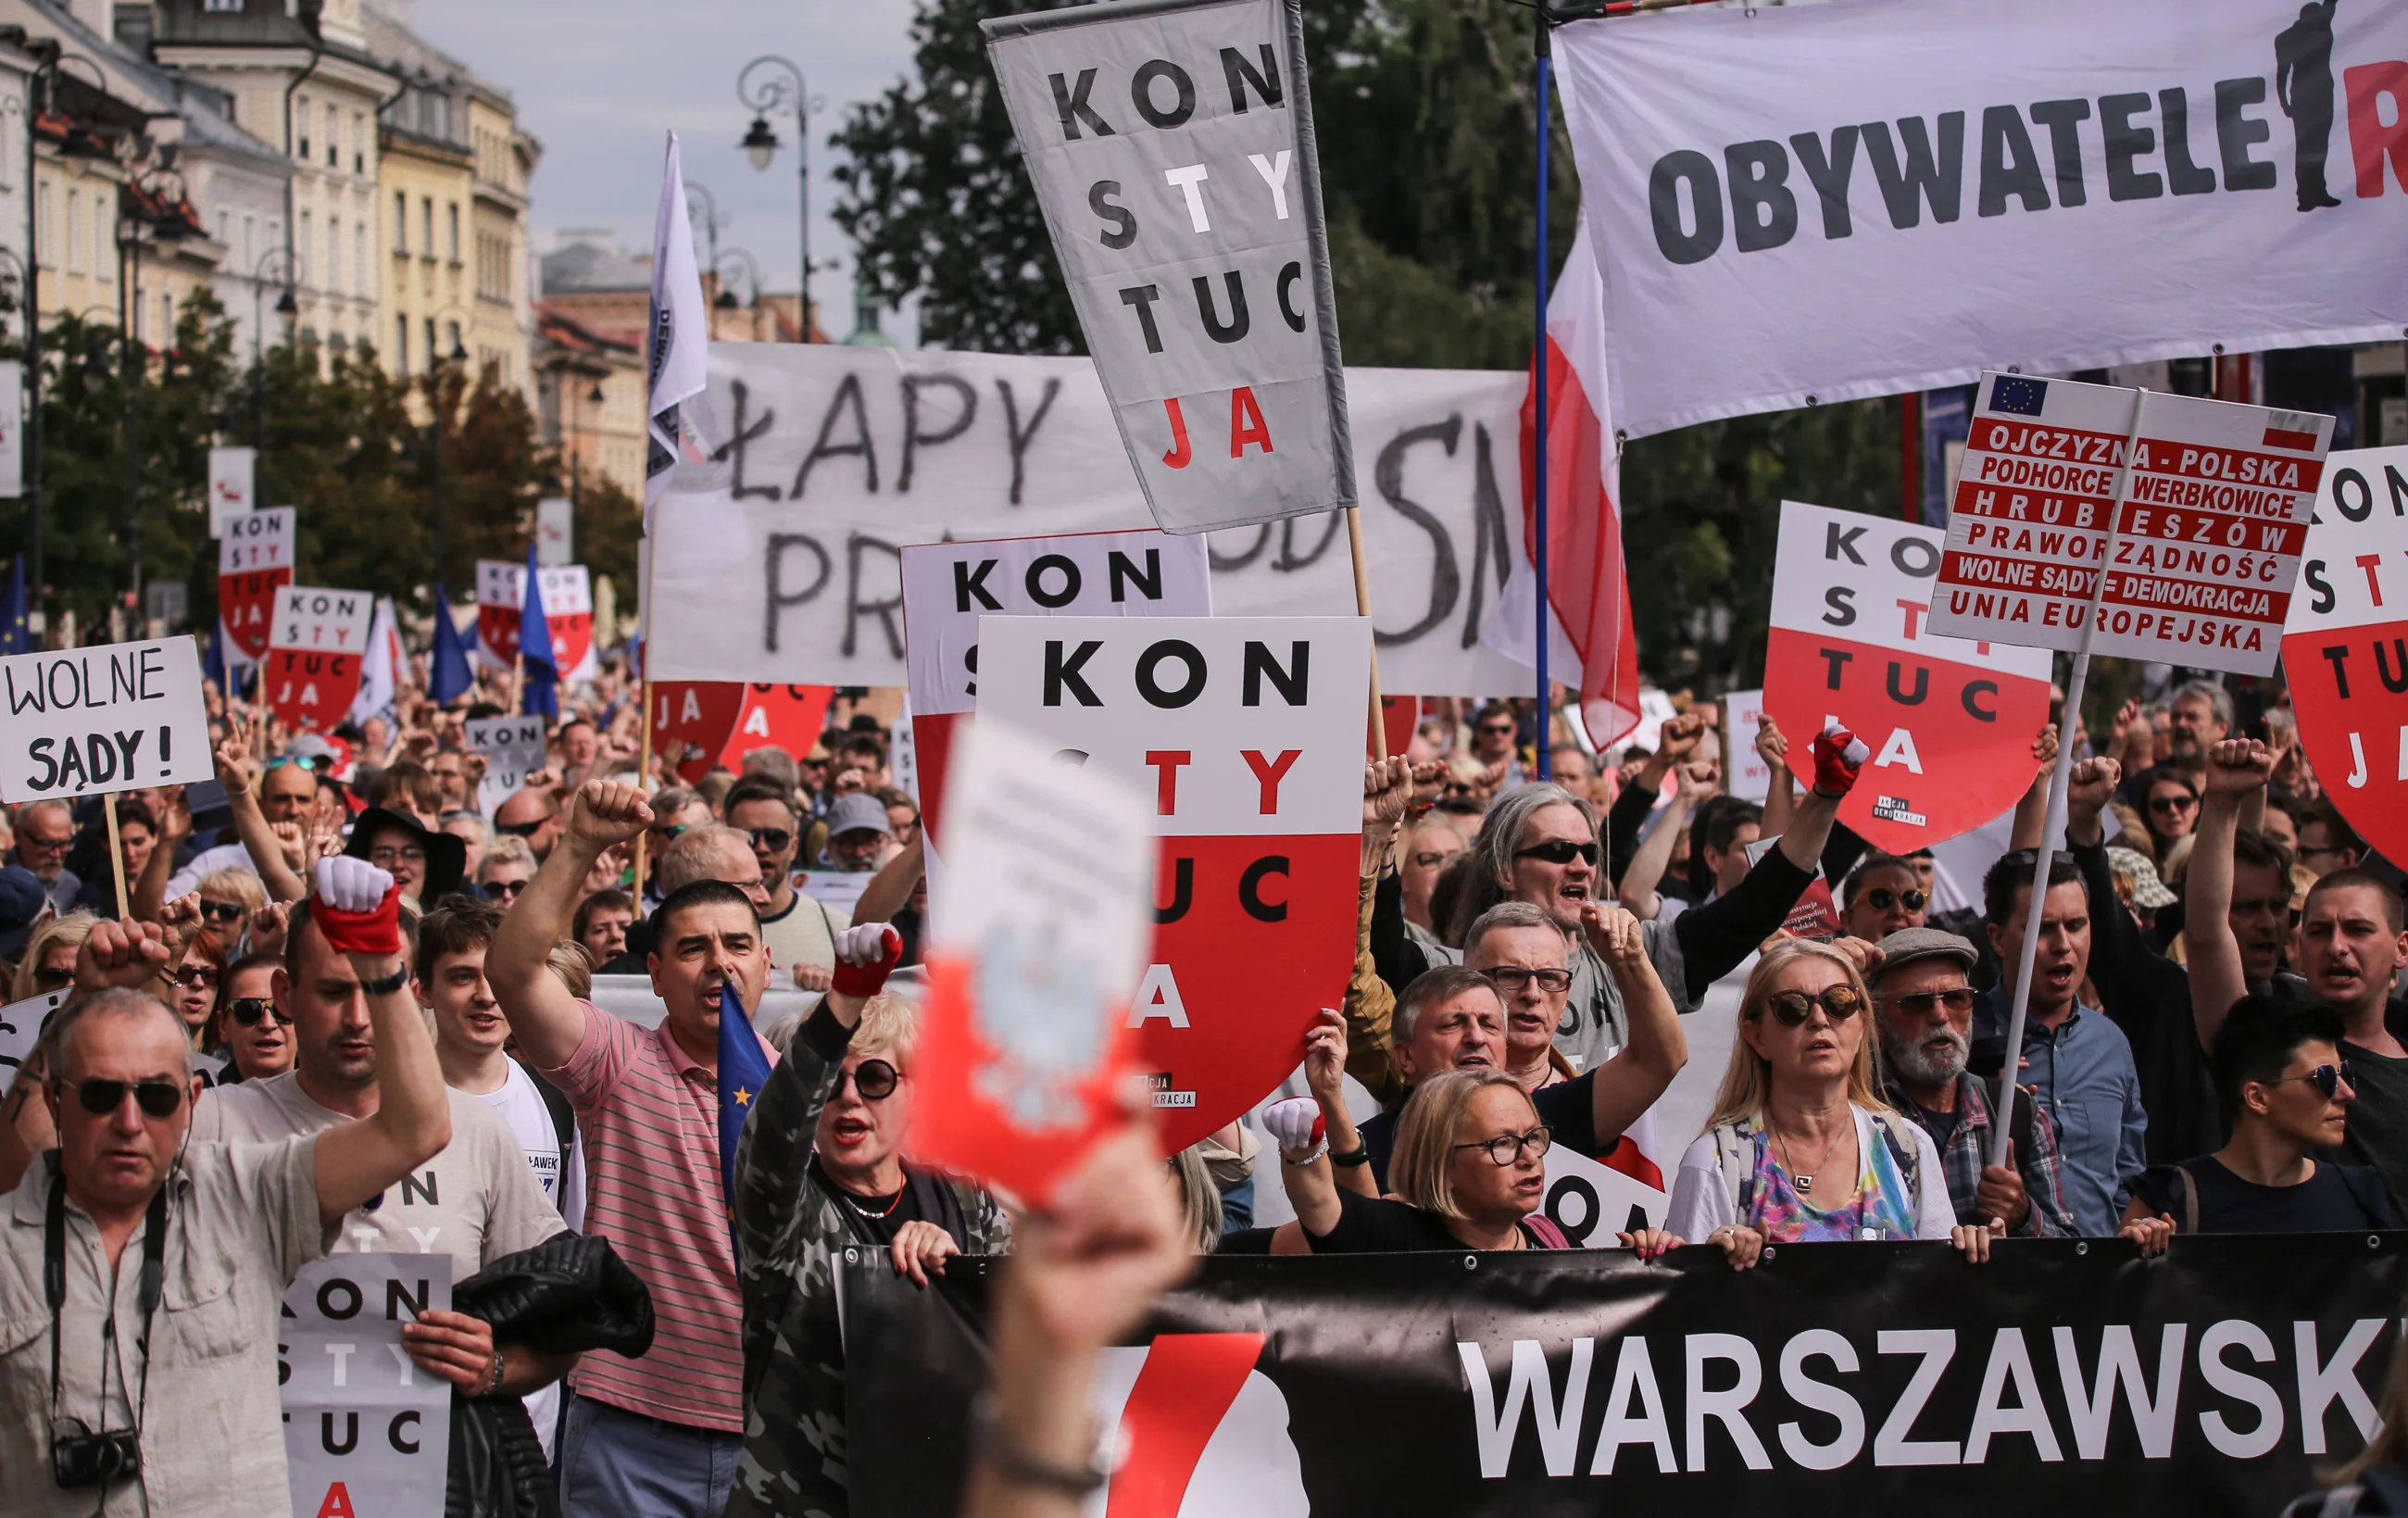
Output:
(111, 716)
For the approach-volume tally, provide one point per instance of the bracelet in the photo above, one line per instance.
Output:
(1019, 1467)
(494, 1383)
(389, 984)
(1319, 1147)
(1359, 1154)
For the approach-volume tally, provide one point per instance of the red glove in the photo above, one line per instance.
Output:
(357, 906)
(865, 954)
(1838, 754)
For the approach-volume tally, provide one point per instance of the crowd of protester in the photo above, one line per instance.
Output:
(335, 967)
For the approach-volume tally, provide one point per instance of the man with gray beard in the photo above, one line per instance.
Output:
(1925, 1010)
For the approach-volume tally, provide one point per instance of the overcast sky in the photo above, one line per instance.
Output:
(600, 82)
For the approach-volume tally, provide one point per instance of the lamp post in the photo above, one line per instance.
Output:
(48, 52)
(287, 307)
(738, 258)
(130, 350)
(771, 83)
(709, 215)
(569, 431)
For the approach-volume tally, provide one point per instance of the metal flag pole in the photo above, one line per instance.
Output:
(1539, 396)
(644, 690)
(2058, 784)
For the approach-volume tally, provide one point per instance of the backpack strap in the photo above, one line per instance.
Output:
(1735, 1153)
(1543, 1229)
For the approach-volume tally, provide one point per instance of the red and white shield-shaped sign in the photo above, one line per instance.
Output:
(788, 717)
(699, 724)
(254, 562)
(1950, 722)
(567, 607)
(2346, 646)
(1248, 733)
(315, 651)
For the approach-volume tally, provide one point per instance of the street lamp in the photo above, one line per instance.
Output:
(738, 258)
(287, 307)
(569, 431)
(710, 216)
(767, 85)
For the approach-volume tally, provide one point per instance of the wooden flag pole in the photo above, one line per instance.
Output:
(1362, 608)
(644, 694)
(116, 853)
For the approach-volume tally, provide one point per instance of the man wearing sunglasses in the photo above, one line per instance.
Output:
(175, 1251)
(532, 815)
(1926, 1021)
(44, 832)
(800, 932)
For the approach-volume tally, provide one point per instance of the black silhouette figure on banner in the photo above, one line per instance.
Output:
(2304, 83)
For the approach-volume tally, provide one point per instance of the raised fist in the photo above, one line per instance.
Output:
(1839, 756)
(2238, 765)
(357, 906)
(1297, 1126)
(605, 812)
(865, 954)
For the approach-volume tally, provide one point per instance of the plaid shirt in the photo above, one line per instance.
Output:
(1964, 1151)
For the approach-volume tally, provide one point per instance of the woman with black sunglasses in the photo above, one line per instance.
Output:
(1801, 1148)
(2286, 1094)
(249, 1031)
(1881, 897)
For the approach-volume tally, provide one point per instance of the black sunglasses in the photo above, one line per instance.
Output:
(1514, 977)
(1794, 1006)
(1881, 898)
(2327, 1079)
(771, 839)
(507, 890)
(221, 911)
(248, 1010)
(526, 830)
(2173, 803)
(1558, 852)
(47, 979)
(873, 1078)
(157, 1098)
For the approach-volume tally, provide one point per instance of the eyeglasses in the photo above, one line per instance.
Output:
(528, 830)
(157, 1098)
(873, 1079)
(248, 1010)
(1514, 977)
(1920, 1002)
(2173, 803)
(1794, 1006)
(192, 976)
(387, 857)
(221, 911)
(301, 761)
(772, 839)
(1506, 1148)
(1559, 852)
(507, 890)
(1497, 727)
(1881, 898)
(2329, 1079)
(29, 842)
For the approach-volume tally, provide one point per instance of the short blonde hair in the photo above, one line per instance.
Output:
(889, 1029)
(236, 885)
(1747, 1082)
(1422, 1169)
(73, 928)
(573, 966)
(507, 849)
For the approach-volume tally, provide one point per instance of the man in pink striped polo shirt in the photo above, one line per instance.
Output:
(658, 1436)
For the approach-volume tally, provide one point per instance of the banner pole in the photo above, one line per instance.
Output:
(644, 684)
(116, 853)
(1539, 396)
(2058, 784)
(1362, 608)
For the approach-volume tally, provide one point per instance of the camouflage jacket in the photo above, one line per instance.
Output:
(791, 1232)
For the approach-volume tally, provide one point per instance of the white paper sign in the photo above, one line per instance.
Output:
(514, 749)
(12, 428)
(20, 1028)
(230, 487)
(367, 1432)
(111, 716)
(1745, 774)
(312, 619)
(1592, 1202)
(556, 534)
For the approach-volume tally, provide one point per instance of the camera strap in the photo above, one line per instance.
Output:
(55, 1278)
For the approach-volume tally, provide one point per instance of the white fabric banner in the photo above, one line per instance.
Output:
(778, 559)
(1827, 202)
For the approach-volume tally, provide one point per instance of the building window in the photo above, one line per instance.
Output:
(301, 119)
(360, 260)
(401, 222)
(104, 236)
(454, 209)
(334, 119)
(334, 255)
(166, 316)
(455, 347)
(359, 143)
(222, 6)
(308, 248)
(401, 344)
(427, 226)
(250, 242)
(75, 232)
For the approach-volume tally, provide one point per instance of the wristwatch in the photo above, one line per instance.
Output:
(1023, 1468)
(1359, 1154)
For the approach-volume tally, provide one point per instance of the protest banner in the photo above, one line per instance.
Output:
(231, 493)
(567, 607)
(947, 587)
(776, 558)
(21, 1026)
(2221, 1379)
(700, 723)
(2199, 556)
(98, 720)
(1950, 721)
(368, 1434)
(513, 750)
(1248, 734)
(2056, 185)
(255, 563)
(1039, 933)
(1170, 145)
(1745, 775)
(316, 648)
(2346, 647)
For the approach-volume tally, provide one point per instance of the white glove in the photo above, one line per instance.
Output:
(865, 943)
(1295, 1125)
(351, 885)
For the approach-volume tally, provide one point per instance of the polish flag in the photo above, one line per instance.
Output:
(1589, 584)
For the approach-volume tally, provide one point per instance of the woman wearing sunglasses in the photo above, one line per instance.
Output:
(2287, 1094)
(1881, 897)
(190, 988)
(1801, 1148)
(228, 899)
(249, 1033)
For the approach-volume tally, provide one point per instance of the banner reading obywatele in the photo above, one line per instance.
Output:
(1794, 204)
(2063, 1376)
(1171, 142)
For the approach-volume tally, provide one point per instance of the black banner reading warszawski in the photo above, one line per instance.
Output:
(1833, 1378)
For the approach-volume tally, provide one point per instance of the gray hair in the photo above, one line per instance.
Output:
(1508, 914)
(54, 803)
(689, 858)
(2218, 700)
(1439, 983)
(115, 1002)
(1492, 851)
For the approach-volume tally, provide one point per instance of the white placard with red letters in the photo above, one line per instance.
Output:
(947, 587)
(254, 562)
(2345, 648)
(111, 717)
(1247, 732)
(568, 606)
(318, 639)
(2206, 542)
(1745, 774)
(229, 486)
(1950, 722)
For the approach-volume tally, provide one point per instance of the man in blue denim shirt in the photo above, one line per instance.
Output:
(2075, 1061)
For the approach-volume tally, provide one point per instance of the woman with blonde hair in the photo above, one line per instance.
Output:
(229, 899)
(48, 961)
(1801, 1148)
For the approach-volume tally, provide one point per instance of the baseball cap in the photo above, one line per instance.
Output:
(2149, 892)
(1909, 944)
(854, 812)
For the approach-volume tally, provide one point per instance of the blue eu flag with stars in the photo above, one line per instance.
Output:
(743, 1070)
(2017, 394)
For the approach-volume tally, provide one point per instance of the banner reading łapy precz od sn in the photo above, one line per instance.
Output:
(1172, 145)
(1833, 1378)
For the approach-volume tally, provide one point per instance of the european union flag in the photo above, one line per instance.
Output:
(448, 675)
(2017, 394)
(743, 1070)
(15, 633)
(541, 697)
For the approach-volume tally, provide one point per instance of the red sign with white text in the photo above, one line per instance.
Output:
(1950, 722)
(1248, 734)
(2345, 648)
(704, 723)
(315, 651)
(254, 562)
(567, 608)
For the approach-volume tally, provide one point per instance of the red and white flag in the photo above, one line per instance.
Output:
(1589, 584)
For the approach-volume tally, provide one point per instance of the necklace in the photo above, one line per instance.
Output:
(883, 1212)
(1805, 1183)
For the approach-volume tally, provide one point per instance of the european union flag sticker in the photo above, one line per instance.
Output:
(2015, 393)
